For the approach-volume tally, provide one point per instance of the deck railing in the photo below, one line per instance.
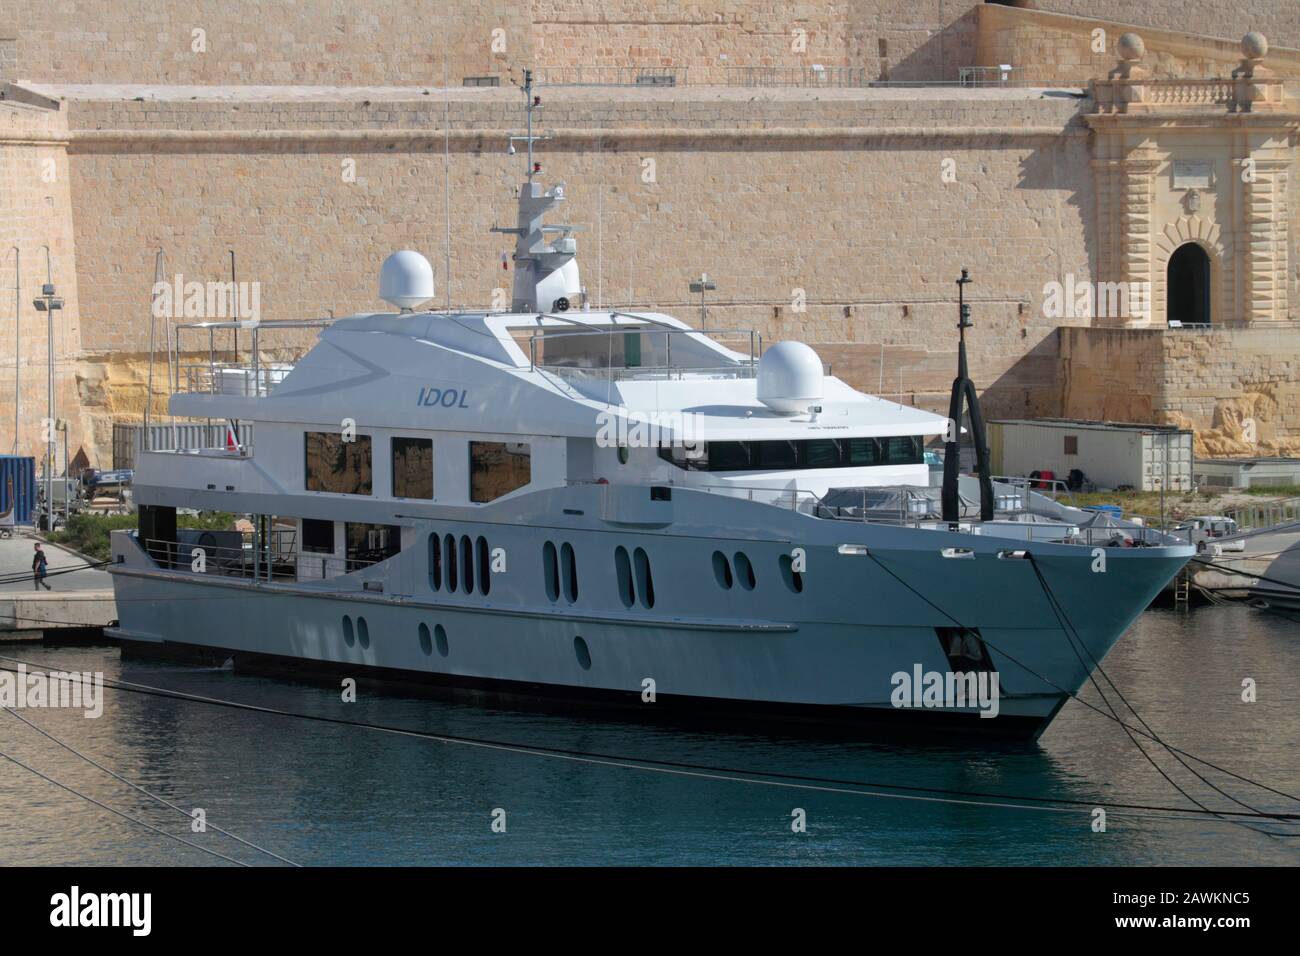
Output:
(921, 513)
(612, 364)
(277, 559)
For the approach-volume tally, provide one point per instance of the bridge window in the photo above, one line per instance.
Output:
(412, 467)
(797, 455)
(498, 468)
(338, 466)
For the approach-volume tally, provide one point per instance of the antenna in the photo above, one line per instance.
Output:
(446, 160)
(158, 274)
(531, 102)
(546, 270)
(234, 304)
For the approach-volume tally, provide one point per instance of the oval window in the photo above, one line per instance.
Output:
(744, 571)
(722, 570)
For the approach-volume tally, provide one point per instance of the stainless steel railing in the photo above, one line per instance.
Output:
(275, 560)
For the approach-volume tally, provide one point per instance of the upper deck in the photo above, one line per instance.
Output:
(541, 373)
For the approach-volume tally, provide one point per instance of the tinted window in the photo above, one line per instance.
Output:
(498, 468)
(369, 543)
(412, 467)
(861, 452)
(810, 453)
(338, 466)
(823, 453)
(774, 455)
(317, 536)
(727, 456)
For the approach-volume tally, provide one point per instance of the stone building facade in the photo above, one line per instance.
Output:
(818, 161)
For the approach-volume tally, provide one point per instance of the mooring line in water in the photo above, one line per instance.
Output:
(1246, 574)
(114, 810)
(1074, 696)
(166, 803)
(1071, 636)
(705, 771)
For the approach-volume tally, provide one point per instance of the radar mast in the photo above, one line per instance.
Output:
(546, 271)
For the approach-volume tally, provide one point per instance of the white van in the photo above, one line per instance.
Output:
(1208, 531)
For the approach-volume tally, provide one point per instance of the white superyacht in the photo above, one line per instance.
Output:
(588, 505)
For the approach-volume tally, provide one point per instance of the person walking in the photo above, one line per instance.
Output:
(39, 566)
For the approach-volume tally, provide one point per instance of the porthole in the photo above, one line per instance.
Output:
(484, 566)
(440, 639)
(426, 640)
(722, 570)
(551, 571)
(569, 562)
(793, 579)
(645, 584)
(449, 557)
(466, 564)
(583, 653)
(349, 635)
(363, 633)
(744, 571)
(435, 562)
(623, 571)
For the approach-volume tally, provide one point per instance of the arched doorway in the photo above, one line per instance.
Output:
(1188, 286)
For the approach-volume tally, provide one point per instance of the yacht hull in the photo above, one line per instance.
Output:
(803, 674)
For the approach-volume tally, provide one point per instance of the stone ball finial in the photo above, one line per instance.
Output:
(1130, 47)
(1254, 45)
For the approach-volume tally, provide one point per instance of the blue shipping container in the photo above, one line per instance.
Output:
(17, 488)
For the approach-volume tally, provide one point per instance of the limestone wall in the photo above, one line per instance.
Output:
(325, 42)
(1229, 385)
(404, 42)
(1054, 49)
(837, 200)
(1279, 20)
(720, 40)
(35, 212)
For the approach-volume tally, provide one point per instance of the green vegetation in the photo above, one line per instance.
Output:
(1145, 502)
(88, 533)
(1179, 505)
(1278, 491)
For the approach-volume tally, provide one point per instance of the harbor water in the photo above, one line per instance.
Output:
(320, 793)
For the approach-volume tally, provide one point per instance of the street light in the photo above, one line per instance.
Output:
(701, 285)
(49, 303)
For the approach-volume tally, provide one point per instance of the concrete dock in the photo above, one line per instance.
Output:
(76, 599)
(1274, 553)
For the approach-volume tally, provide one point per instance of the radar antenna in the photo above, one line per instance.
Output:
(546, 271)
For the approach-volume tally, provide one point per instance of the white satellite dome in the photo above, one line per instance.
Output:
(790, 378)
(406, 279)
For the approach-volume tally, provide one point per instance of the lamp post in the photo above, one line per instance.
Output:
(49, 303)
(701, 285)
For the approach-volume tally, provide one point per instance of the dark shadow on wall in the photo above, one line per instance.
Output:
(1032, 388)
(1063, 165)
(938, 57)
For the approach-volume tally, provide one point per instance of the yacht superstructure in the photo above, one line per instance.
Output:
(586, 503)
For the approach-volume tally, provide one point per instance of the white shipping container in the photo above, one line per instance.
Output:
(1109, 454)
